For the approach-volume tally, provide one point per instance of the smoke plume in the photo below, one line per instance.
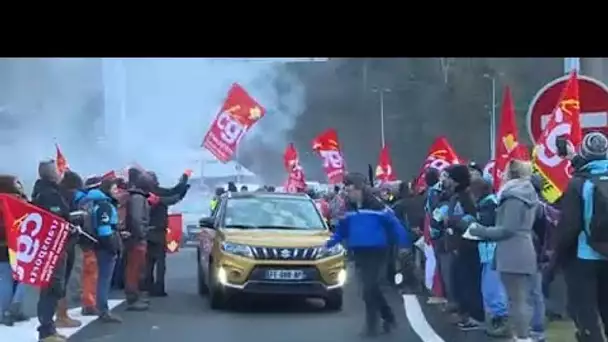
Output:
(107, 114)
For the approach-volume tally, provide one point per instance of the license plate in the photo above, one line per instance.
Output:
(285, 275)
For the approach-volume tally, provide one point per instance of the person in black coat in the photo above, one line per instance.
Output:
(48, 195)
(157, 235)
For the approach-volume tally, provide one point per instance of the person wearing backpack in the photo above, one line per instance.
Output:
(104, 220)
(581, 240)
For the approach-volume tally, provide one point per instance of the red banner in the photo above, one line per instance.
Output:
(441, 155)
(238, 114)
(36, 239)
(328, 147)
(565, 122)
(174, 233)
(507, 141)
(295, 173)
(384, 170)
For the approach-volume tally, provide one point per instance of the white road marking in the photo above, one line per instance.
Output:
(588, 120)
(417, 321)
(26, 331)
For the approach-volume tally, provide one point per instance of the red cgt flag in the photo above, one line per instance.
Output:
(328, 147)
(174, 233)
(290, 157)
(238, 114)
(441, 155)
(384, 170)
(60, 161)
(565, 122)
(295, 174)
(508, 139)
(36, 239)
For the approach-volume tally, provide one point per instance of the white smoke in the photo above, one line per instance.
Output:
(107, 114)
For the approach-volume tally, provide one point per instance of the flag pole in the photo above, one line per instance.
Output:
(572, 64)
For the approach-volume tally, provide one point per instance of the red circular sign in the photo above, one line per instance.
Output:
(594, 105)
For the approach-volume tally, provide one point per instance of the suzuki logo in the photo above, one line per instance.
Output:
(285, 254)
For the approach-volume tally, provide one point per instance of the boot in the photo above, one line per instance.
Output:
(62, 320)
(7, 319)
(138, 306)
(499, 328)
(89, 311)
(54, 338)
(17, 313)
(109, 318)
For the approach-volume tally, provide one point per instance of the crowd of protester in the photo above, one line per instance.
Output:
(508, 260)
(499, 253)
(126, 222)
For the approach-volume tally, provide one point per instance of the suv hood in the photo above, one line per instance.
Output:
(277, 237)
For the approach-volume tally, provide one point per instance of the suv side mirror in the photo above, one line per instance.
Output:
(206, 222)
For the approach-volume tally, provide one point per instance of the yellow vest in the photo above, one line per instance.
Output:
(213, 204)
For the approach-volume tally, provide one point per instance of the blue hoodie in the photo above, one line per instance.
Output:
(584, 251)
(368, 228)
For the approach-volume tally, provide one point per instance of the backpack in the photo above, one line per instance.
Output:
(89, 225)
(597, 234)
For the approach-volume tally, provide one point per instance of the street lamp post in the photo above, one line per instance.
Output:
(492, 117)
(381, 91)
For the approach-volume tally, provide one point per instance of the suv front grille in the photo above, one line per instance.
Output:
(273, 253)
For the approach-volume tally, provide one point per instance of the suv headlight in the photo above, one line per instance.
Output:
(329, 252)
(237, 249)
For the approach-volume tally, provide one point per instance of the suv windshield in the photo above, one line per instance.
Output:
(272, 213)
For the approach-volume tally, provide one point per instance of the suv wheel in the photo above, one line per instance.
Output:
(217, 299)
(202, 285)
(333, 302)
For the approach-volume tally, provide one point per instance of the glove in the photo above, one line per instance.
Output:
(188, 173)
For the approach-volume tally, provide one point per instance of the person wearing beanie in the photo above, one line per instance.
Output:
(578, 251)
(89, 275)
(371, 231)
(48, 195)
(466, 275)
(104, 221)
(70, 184)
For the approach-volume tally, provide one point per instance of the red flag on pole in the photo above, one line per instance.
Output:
(36, 239)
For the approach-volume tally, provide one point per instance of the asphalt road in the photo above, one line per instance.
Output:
(184, 316)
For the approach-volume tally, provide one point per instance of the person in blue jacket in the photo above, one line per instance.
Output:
(104, 219)
(370, 231)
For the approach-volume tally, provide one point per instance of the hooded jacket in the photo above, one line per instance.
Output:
(137, 220)
(516, 213)
(569, 238)
(48, 195)
(159, 212)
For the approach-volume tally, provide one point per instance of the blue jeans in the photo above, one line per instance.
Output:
(105, 265)
(493, 292)
(8, 294)
(537, 300)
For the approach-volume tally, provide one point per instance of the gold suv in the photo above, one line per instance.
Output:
(268, 244)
